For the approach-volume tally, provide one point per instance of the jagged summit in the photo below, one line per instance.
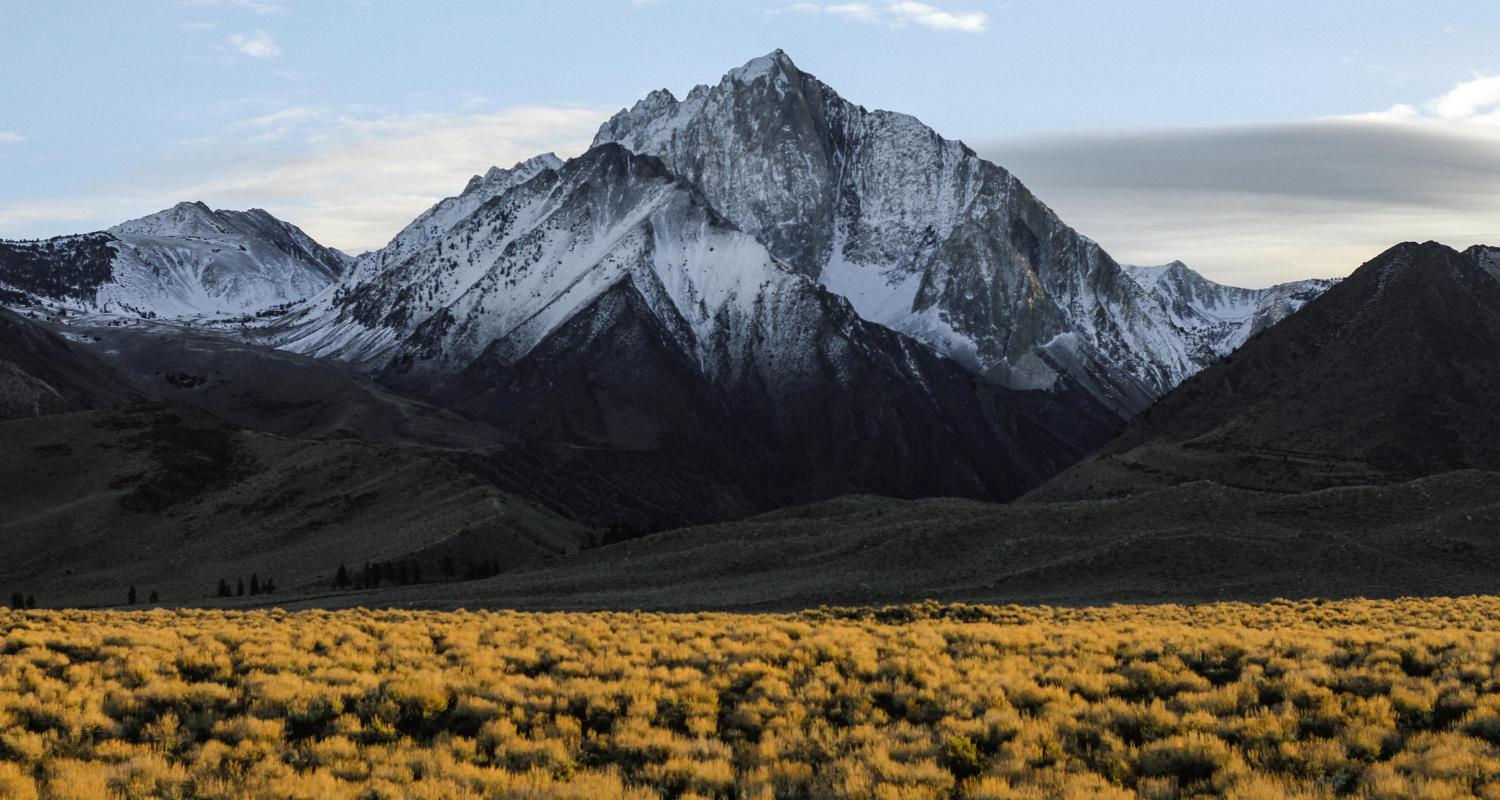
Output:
(917, 231)
(521, 170)
(772, 63)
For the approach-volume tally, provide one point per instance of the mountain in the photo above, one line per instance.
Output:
(1216, 319)
(442, 217)
(42, 373)
(917, 231)
(1198, 542)
(606, 303)
(188, 260)
(1389, 375)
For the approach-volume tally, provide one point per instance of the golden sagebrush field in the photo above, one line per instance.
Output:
(1365, 699)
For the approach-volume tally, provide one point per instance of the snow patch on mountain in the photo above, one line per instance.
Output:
(1216, 319)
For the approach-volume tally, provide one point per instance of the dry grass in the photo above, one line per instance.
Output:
(1361, 699)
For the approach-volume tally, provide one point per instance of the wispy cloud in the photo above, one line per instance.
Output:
(11, 137)
(253, 6)
(899, 14)
(1259, 203)
(255, 45)
(350, 180)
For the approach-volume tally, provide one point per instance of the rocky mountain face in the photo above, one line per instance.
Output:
(917, 231)
(43, 373)
(1216, 319)
(606, 302)
(1388, 375)
(188, 260)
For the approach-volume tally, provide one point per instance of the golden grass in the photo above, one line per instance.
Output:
(1365, 699)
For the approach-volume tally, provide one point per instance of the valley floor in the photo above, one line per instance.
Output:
(1360, 698)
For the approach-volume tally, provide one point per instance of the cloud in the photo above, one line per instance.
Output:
(253, 6)
(1257, 204)
(351, 181)
(256, 45)
(11, 137)
(1476, 100)
(899, 14)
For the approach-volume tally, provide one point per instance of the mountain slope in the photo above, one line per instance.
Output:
(1216, 319)
(918, 232)
(185, 261)
(1191, 543)
(607, 304)
(1389, 375)
(43, 373)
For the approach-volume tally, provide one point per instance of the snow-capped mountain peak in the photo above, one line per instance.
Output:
(918, 231)
(183, 219)
(187, 260)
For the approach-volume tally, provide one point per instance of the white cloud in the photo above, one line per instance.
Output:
(1476, 100)
(1255, 204)
(899, 14)
(11, 137)
(350, 181)
(256, 45)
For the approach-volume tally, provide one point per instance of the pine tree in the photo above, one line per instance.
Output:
(224, 590)
(239, 588)
(31, 601)
(449, 570)
(416, 572)
(17, 601)
(130, 596)
(403, 575)
(269, 586)
(154, 597)
(254, 584)
(341, 580)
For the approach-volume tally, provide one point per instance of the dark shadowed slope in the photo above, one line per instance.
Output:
(1390, 375)
(43, 373)
(1194, 542)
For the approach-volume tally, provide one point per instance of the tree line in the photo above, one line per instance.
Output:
(404, 572)
(257, 586)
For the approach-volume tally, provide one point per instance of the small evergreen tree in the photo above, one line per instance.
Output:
(31, 601)
(449, 569)
(254, 584)
(224, 590)
(341, 580)
(416, 572)
(17, 601)
(155, 598)
(269, 586)
(130, 596)
(239, 587)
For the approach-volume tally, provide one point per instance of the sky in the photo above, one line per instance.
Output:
(1257, 142)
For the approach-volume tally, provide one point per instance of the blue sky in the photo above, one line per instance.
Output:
(1256, 141)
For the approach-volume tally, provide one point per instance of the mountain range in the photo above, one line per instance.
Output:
(756, 296)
